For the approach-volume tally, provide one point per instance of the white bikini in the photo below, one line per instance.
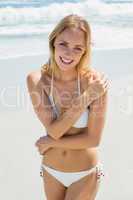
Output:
(83, 119)
(67, 178)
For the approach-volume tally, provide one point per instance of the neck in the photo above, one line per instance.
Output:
(66, 76)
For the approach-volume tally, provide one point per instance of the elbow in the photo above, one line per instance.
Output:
(95, 142)
(54, 132)
(56, 137)
(53, 135)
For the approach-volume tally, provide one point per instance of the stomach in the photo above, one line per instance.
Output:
(71, 160)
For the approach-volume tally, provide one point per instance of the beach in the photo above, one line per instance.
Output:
(24, 47)
(20, 127)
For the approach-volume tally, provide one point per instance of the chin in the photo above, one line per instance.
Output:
(66, 68)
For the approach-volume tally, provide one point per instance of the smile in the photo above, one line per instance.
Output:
(66, 61)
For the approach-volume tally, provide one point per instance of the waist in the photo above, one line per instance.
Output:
(71, 152)
(71, 160)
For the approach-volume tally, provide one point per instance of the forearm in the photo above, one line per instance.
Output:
(80, 141)
(60, 126)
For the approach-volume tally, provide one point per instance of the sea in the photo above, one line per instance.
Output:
(25, 25)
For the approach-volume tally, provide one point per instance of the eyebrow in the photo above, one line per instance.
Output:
(80, 45)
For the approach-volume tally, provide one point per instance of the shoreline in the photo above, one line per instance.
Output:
(42, 54)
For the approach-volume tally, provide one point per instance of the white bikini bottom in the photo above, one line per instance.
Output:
(67, 178)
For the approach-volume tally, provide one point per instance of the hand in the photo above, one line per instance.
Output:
(97, 85)
(44, 144)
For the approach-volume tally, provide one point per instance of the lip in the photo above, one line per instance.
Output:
(65, 59)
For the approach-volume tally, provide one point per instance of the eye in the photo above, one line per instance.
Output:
(62, 44)
(79, 49)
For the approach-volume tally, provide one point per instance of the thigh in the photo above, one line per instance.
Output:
(86, 188)
(54, 190)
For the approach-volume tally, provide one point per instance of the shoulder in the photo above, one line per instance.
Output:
(37, 81)
(33, 80)
(33, 76)
(91, 72)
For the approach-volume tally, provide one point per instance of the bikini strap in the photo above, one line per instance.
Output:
(51, 86)
(51, 96)
(79, 83)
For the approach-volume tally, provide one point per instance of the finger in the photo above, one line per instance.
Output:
(91, 79)
(42, 152)
(99, 77)
(106, 86)
(96, 75)
(41, 138)
(104, 79)
(37, 142)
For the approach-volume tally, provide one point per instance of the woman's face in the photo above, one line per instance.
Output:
(69, 48)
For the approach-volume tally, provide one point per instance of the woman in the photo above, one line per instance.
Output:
(70, 99)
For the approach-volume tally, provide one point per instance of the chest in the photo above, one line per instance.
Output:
(64, 93)
(63, 96)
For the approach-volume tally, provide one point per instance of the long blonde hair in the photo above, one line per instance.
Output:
(69, 21)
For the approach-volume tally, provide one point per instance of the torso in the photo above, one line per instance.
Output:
(62, 159)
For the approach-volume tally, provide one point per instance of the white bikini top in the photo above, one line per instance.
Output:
(83, 119)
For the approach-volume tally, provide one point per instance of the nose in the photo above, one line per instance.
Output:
(68, 52)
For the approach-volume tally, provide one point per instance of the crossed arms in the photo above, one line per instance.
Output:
(57, 128)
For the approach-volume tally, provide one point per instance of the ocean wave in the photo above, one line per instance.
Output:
(118, 1)
(25, 31)
(31, 3)
(95, 11)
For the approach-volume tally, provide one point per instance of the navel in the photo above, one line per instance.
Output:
(64, 152)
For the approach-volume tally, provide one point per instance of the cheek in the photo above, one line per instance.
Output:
(56, 56)
(78, 58)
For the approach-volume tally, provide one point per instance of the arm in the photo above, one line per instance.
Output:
(55, 128)
(92, 137)
(79, 141)
(60, 126)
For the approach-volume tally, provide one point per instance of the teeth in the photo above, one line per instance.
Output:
(66, 60)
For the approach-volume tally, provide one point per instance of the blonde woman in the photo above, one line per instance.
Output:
(70, 99)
